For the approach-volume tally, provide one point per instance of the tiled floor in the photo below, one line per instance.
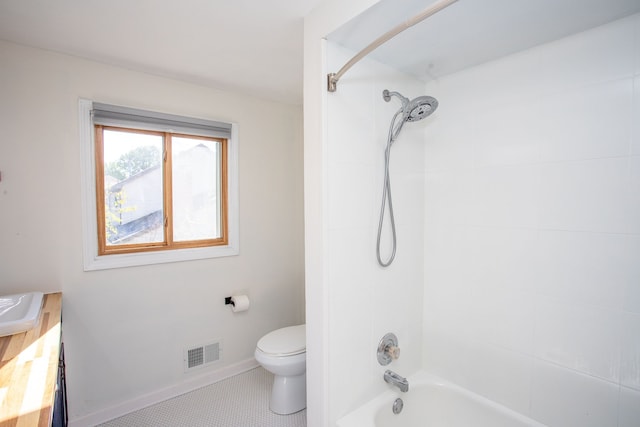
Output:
(240, 401)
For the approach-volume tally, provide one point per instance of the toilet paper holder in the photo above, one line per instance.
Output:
(238, 303)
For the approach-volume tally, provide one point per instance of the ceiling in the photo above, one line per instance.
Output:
(246, 46)
(255, 47)
(470, 32)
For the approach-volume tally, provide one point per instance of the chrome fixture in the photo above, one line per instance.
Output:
(398, 404)
(388, 349)
(332, 78)
(396, 380)
(410, 111)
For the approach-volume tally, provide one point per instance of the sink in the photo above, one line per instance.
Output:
(20, 312)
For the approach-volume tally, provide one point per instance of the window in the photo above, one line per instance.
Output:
(163, 188)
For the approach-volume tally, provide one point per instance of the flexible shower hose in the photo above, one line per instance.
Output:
(386, 193)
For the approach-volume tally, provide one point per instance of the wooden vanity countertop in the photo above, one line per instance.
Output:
(29, 368)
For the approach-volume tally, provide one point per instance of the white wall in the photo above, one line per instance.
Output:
(125, 329)
(365, 300)
(317, 25)
(532, 229)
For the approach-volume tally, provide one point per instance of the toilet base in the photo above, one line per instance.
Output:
(289, 394)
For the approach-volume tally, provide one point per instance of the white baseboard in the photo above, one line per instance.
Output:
(158, 396)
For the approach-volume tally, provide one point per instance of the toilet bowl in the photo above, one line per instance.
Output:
(283, 353)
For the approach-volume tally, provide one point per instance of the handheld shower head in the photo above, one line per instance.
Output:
(420, 107)
(416, 109)
(411, 111)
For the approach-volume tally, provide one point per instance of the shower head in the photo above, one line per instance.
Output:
(416, 109)
(420, 107)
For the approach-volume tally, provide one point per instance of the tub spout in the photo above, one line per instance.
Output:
(396, 380)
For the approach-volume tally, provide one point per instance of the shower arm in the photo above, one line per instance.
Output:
(333, 78)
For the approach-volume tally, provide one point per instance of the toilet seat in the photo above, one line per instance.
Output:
(287, 341)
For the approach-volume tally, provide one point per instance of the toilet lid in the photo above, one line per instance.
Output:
(285, 341)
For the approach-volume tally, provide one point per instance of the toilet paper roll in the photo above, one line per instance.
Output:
(240, 303)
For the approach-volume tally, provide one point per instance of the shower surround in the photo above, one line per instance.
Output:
(518, 212)
(366, 300)
(532, 230)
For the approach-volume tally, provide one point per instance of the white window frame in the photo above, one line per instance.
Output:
(93, 261)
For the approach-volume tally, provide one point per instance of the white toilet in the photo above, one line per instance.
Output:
(283, 352)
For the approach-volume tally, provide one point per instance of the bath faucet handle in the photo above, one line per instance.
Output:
(393, 351)
(388, 349)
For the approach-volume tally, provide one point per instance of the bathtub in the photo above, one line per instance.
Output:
(433, 402)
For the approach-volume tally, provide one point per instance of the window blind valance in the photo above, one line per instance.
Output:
(114, 115)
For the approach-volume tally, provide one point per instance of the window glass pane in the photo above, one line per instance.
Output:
(133, 187)
(196, 189)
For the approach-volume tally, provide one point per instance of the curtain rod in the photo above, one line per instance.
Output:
(332, 78)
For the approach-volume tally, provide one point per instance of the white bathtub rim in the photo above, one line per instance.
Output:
(365, 414)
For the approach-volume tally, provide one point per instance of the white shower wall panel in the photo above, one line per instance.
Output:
(635, 143)
(532, 229)
(366, 300)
